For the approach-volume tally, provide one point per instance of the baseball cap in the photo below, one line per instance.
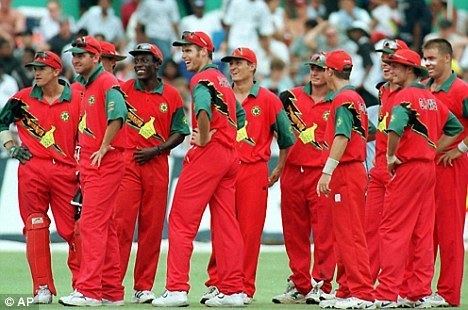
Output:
(359, 25)
(338, 60)
(318, 60)
(241, 53)
(87, 44)
(198, 38)
(410, 58)
(147, 48)
(108, 50)
(199, 3)
(390, 46)
(46, 58)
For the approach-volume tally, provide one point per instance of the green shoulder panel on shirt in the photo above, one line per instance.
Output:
(399, 120)
(97, 70)
(465, 107)
(240, 114)
(283, 128)
(179, 123)
(343, 122)
(372, 128)
(11, 112)
(202, 100)
(115, 105)
(452, 126)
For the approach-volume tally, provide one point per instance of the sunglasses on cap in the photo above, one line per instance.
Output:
(41, 55)
(318, 57)
(189, 36)
(390, 44)
(79, 42)
(144, 47)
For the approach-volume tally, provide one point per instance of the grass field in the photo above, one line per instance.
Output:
(271, 280)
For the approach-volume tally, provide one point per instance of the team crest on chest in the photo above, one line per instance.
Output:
(325, 115)
(163, 107)
(256, 111)
(65, 116)
(91, 100)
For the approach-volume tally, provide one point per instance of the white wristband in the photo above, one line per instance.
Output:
(330, 166)
(391, 159)
(462, 147)
(5, 136)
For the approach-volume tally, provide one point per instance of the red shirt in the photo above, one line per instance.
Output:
(356, 148)
(49, 130)
(309, 121)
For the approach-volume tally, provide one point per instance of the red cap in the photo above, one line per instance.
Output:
(147, 48)
(408, 57)
(390, 46)
(46, 58)
(87, 44)
(108, 50)
(241, 53)
(198, 38)
(338, 60)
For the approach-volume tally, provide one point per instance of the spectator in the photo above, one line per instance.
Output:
(295, 25)
(348, 13)
(278, 80)
(127, 10)
(165, 30)
(316, 10)
(447, 31)
(209, 23)
(102, 19)
(62, 38)
(11, 21)
(386, 18)
(27, 57)
(359, 33)
(11, 65)
(8, 87)
(50, 24)
(415, 22)
(170, 71)
(278, 18)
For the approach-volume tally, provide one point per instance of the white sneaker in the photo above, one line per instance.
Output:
(247, 300)
(221, 300)
(437, 301)
(385, 304)
(329, 303)
(43, 295)
(317, 294)
(78, 299)
(354, 303)
(403, 302)
(109, 303)
(171, 299)
(290, 296)
(142, 297)
(211, 292)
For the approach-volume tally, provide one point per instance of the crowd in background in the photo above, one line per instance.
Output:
(283, 34)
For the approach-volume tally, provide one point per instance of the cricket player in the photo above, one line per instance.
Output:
(379, 175)
(109, 56)
(451, 174)
(418, 120)
(302, 210)
(47, 116)
(208, 176)
(103, 112)
(344, 181)
(155, 124)
(265, 116)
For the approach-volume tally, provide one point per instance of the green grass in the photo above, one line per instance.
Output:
(271, 279)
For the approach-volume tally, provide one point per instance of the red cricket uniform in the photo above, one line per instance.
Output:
(100, 267)
(153, 117)
(347, 198)
(208, 176)
(408, 212)
(450, 197)
(49, 131)
(302, 210)
(378, 180)
(264, 116)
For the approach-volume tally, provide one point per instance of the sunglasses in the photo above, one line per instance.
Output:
(390, 44)
(144, 47)
(318, 58)
(190, 36)
(41, 55)
(80, 42)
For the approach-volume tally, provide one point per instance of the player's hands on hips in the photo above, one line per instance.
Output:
(448, 158)
(21, 153)
(392, 162)
(142, 156)
(274, 176)
(323, 185)
(96, 157)
(195, 138)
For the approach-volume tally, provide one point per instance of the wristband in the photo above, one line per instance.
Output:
(330, 166)
(5, 136)
(462, 147)
(391, 159)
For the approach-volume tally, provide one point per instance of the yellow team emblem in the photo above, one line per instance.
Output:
(242, 133)
(382, 126)
(308, 134)
(91, 100)
(325, 115)
(82, 124)
(256, 111)
(148, 130)
(48, 139)
(65, 116)
(163, 107)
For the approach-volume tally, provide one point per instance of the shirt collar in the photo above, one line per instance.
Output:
(96, 72)
(37, 93)
(417, 84)
(209, 66)
(158, 89)
(308, 90)
(254, 89)
(446, 85)
(346, 87)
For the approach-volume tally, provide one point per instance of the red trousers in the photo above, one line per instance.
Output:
(43, 182)
(142, 196)
(347, 200)
(450, 197)
(378, 181)
(208, 176)
(303, 212)
(100, 266)
(251, 205)
(408, 221)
